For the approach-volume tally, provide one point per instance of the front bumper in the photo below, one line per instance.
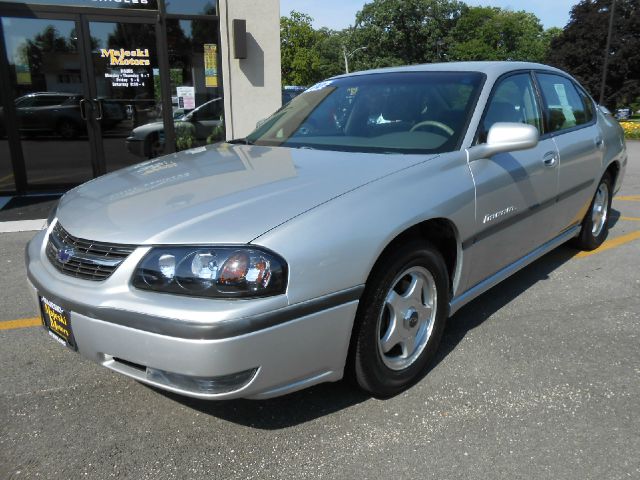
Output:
(138, 334)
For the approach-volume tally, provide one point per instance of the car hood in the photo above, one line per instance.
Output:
(226, 194)
(143, 130)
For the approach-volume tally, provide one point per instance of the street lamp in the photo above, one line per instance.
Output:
(612, 12)
(347, 56)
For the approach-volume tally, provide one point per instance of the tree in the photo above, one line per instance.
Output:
(329, 46)
(402, 32)
(580, 49)
(301, 62)
(491, 33)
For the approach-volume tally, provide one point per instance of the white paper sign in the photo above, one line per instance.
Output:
(186, 97)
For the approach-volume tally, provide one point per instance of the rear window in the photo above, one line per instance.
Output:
(409, 112)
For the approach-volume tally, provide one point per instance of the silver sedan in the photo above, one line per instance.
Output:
(337, 237)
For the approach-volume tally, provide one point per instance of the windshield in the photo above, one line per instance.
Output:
(409, 112)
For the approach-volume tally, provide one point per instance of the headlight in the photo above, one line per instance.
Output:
(219, 272)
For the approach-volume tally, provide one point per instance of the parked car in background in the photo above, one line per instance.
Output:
(623, 113)
(338, 236)
(58, 114)
(290, 92)
(148, 140)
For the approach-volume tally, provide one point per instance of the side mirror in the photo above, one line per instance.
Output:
(505, 137)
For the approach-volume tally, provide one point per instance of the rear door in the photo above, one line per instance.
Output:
(571, 120)
(513, 190)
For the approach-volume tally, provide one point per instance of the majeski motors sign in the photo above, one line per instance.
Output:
(139, 56)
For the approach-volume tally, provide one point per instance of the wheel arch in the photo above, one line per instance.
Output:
(614, 170)
(442, 234)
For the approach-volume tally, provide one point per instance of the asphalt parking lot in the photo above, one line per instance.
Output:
(537, 379)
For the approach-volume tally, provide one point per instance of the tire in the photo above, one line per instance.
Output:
(595, 225)
(67, 130)
(387, 360)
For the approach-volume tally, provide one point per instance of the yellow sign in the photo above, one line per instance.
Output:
(57, 322)
(211, 65)
(126, 57)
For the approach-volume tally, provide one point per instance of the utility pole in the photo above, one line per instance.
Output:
(612, 12)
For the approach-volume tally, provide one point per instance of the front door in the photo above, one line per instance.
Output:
(126, 99)
(84, 89)
(47, 84)
(515, 191)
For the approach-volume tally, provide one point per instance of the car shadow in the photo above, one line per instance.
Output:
(320, 400)
(281, 412)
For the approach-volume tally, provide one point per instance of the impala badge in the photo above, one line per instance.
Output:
(492, 216)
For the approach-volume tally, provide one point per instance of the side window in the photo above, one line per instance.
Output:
(565, 106)
(210, 111)
(46, 101)
(513, 100)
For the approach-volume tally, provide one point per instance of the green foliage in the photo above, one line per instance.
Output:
(301, 62)
(218, 133)
(581, 46)
(403, 32)
(185, 135)
(491, 33)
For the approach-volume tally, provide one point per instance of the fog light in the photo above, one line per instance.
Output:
(205, 385)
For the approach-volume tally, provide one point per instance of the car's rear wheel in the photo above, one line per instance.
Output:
(400, 319)
(595, 224)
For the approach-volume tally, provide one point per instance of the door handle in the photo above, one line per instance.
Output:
(99, 104)
(83, 109)
(550, 159)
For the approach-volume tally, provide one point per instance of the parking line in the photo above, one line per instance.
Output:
(628, 198)
(613, 243)
(630, 219)
(20, 323)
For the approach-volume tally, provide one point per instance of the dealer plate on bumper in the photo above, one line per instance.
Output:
(57, 321)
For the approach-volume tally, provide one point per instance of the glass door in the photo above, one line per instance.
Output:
(126, 105)
(47, 84)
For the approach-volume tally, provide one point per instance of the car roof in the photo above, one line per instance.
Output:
(51, 94)
(490, 69)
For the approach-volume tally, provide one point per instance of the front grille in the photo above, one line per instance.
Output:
(84, 259)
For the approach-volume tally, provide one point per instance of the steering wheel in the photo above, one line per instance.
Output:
(433, 123)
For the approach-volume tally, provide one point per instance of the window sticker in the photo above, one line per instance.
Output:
(211, 65)
(564, 103)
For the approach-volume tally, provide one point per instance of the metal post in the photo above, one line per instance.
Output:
(612, 11)
(346, 59)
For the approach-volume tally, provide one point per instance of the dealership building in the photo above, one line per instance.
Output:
(91, 86)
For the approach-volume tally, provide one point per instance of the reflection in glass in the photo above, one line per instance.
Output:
(7, 183)
(131, 4)
(410, 112)
(128, 87)
(196, 92)
(191, 7)
(46, 84)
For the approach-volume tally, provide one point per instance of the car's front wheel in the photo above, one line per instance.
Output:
(595, 224)
(400, 319)
(154, 146)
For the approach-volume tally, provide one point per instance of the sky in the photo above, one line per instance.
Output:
(339, 14)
